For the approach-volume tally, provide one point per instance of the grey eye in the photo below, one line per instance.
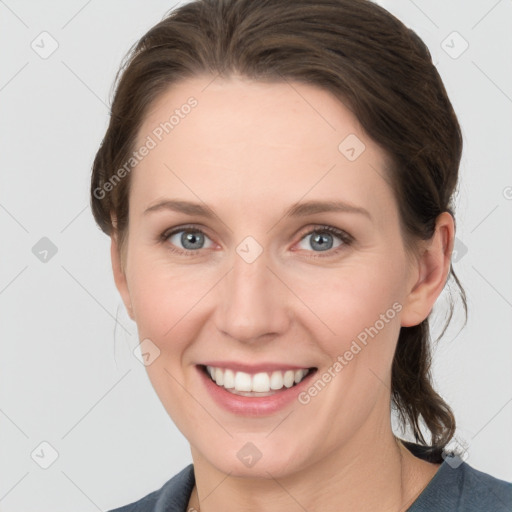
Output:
(188, 239)
(320, 241)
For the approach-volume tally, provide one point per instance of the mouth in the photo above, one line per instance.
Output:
(260, 384)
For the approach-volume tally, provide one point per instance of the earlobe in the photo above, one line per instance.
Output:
(119, 275)
(431, 273)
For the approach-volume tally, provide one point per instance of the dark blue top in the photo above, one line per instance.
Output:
(456, 487)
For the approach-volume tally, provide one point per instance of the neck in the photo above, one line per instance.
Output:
(368, 474)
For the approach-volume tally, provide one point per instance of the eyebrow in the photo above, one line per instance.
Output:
(301, 209)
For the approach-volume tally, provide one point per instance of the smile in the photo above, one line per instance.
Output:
(256, 384)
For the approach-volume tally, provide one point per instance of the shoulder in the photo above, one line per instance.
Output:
(462, 488)
(173, 496)
(486, 491)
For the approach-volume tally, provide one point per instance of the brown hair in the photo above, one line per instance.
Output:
(370, 61)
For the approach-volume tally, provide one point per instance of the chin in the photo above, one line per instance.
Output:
(259, 458)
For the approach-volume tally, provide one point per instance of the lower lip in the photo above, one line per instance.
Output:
(253, 405)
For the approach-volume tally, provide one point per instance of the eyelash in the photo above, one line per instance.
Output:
(342, 235)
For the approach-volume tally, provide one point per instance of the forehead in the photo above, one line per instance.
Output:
(243, 111)
(237, 137)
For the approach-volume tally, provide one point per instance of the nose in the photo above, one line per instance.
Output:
(254, 303)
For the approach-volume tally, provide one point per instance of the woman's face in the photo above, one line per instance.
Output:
(252, 287)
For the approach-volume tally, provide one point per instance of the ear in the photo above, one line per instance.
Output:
(430, 273)
(119, 274)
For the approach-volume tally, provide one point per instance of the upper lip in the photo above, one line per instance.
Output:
(254, 368)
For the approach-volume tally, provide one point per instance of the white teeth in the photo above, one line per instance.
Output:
(276, 380)
(219, 376)
(243, 381)
(289, 378)
(261, 382)
(229, 378)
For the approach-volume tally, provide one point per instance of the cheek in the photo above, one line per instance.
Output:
(357, 302)
(166, 299)
(357, 327)
(169, 311)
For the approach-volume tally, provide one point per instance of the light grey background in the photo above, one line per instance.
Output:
(67, 373)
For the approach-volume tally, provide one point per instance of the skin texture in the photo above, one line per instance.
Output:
(250, 150)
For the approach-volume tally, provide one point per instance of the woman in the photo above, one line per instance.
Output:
(277, 181)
